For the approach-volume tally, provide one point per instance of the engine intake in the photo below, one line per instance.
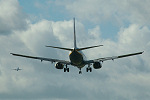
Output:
(59, 66)
(97, 65)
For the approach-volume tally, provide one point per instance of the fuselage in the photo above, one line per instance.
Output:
(77, 58)
(17, 69)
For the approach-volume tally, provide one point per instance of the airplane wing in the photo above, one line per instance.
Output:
(112, 58)
(43, 59)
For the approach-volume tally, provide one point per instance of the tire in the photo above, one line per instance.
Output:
(87, 69)
(67, 69)
(64, 69)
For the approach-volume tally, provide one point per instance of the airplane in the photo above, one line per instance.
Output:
(77, 58)
(17, 69)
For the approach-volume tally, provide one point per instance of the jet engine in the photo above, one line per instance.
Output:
(59, 66)
(97, 65)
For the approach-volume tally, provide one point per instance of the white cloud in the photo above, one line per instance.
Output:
(97, 11)
(115, 74)
(11, 17)
(123, 79)
(118, 77)
(135, 35)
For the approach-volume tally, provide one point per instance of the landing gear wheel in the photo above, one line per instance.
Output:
(88, 69)
(66, 69)
(80, 72)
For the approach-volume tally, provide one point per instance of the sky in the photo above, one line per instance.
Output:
(121, 26)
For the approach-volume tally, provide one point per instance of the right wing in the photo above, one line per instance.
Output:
(43, 59)
(112, 58)
(117, 57)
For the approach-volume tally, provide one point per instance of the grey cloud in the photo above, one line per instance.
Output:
(122, 79)
(42, 81)
(11, 17)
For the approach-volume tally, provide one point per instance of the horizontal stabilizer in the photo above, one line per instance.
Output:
(60, 48)
(88, 47)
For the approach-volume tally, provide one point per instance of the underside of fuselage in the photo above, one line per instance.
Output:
(76, 59)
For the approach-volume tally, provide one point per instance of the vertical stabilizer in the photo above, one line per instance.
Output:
(75, 46)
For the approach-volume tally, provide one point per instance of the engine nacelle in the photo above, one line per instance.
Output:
(97, 65)
(59, 66)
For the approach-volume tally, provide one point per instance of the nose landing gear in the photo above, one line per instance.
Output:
(80, 72)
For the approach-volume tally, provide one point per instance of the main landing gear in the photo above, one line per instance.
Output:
(89, 68)
(66, 69)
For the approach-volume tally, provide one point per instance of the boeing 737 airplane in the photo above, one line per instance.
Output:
(77, 58)
(17, 69)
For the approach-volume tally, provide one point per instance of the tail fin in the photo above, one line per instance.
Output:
(75, 45)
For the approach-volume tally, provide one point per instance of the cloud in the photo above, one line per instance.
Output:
(116, 79)
(11, 17)
(97, 11)
(124, 79)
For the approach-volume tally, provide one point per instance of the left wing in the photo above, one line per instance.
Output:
(112, 58)
(17, 69)
(43, 59)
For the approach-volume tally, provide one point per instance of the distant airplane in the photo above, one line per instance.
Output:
(17, 69)
(77, 58)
